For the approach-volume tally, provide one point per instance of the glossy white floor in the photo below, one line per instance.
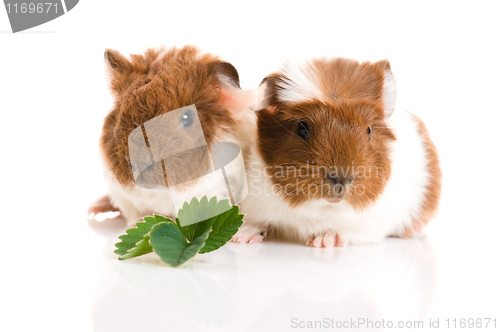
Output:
(60, 274)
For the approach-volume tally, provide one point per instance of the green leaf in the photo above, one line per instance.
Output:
(141, 248)
(224, 227)
(225, 222)
(169, 243)
(196, 217)
(136, 242)
(160, 218)
(175, 244)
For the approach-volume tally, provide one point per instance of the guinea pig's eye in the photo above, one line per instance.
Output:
(369, 131)
(187, 119)
(303, 130)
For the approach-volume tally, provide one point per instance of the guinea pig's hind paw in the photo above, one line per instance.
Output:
(327, 240)
(249, 234)
(102, 205)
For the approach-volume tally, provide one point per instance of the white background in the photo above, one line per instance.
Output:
(59, 274)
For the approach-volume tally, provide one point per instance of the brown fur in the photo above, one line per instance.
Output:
(348, 79)
(149, 85)
(338, 133)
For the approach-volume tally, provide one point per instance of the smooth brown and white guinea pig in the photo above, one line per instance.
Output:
(333, 161)
(147, 87)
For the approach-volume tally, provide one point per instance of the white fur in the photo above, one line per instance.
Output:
(300, 83)
(392, 212)
(389, 97)
(262, 101)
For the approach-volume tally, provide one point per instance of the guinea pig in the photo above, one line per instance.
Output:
(173, 95)
(333, 162)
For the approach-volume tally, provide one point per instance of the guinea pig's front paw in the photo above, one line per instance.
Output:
(326, 240)
(249, 234)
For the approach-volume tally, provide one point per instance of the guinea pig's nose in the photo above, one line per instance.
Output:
(344, 181)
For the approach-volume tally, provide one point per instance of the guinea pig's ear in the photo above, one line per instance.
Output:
(227, 72)
(266, 95)
(118, 68)
(233, 98)
(389, 95)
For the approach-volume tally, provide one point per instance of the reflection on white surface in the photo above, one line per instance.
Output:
(262, 287)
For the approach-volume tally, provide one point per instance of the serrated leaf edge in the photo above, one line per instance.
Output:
(157, 217)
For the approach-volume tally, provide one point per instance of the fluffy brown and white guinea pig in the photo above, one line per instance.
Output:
(334, 162)
(148, 87)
